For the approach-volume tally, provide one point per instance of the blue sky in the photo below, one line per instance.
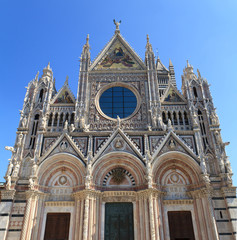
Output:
(36, 32)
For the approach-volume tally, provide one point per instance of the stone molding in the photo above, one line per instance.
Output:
(175, 202)
(7, 194)
(59, 204)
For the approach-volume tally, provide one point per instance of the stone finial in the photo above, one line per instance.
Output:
(66, 81)
(170, 63)
(148, 45)
(117, 26)
(87, 39)
(48, 66)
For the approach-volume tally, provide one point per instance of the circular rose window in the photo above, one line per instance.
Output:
(118, 101)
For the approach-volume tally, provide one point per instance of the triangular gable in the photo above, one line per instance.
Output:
(172, 96)
(172, 142)
(64, 144)
(118, 141)
(117, 54)
(160, 67)
(64, 96)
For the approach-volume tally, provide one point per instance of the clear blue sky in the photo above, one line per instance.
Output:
(36, 32)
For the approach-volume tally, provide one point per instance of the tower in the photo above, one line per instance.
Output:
(130, 157)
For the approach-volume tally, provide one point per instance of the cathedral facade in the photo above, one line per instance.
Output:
(130, 157)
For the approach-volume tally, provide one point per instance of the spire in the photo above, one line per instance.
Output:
(87, 40)
(48, 66)
(148, 45)
(170, 63)
(86, 47)
(47, 71)
(117, 26)
(172, 74)
(66, 81)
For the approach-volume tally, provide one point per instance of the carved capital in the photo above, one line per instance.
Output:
(92, 194)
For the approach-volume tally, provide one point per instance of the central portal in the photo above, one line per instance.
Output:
(119, 221)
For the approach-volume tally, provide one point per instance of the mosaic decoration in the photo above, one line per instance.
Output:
(118, 175)
(64, 97)
(117, 57)
(172, 96)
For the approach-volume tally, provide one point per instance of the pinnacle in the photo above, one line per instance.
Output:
(170, 63)
(66, 81)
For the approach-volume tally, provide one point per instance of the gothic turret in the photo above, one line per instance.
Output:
(172, 73)
(153, 86)
(82, 96)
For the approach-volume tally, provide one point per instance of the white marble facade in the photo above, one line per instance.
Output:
(71, 156)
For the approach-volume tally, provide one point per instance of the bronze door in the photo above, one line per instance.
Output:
(180, 225)
(57, 226)
(119, 221)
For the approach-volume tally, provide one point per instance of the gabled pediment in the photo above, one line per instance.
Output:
(64, 144)
(117, 55)
(172, 96)
(64, 96)
(160, 67)
(118, 141)
(172, 142)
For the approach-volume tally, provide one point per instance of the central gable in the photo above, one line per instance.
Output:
(117, 55)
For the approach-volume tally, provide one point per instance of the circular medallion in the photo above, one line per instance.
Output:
(62, 180)
(174, 177)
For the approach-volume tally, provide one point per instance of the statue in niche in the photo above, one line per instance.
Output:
(65, 125)
(16, 170)
(20, 136)
(214, 118)
(23, 122)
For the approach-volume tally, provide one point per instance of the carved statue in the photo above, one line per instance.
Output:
(8, 183)
(161, 123)
(117, 24)
(31, 184)
(169, 126)
(228, 167)
(16, 169)
(65, 125)
(44, 122)
(149, 174)
(214, 119)
(72, 128)
(23, 122)
(20, 136)
(172, 144)
(88, 176)
(9, 170)
(34, 169)
(203, 166)
(218, 137)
